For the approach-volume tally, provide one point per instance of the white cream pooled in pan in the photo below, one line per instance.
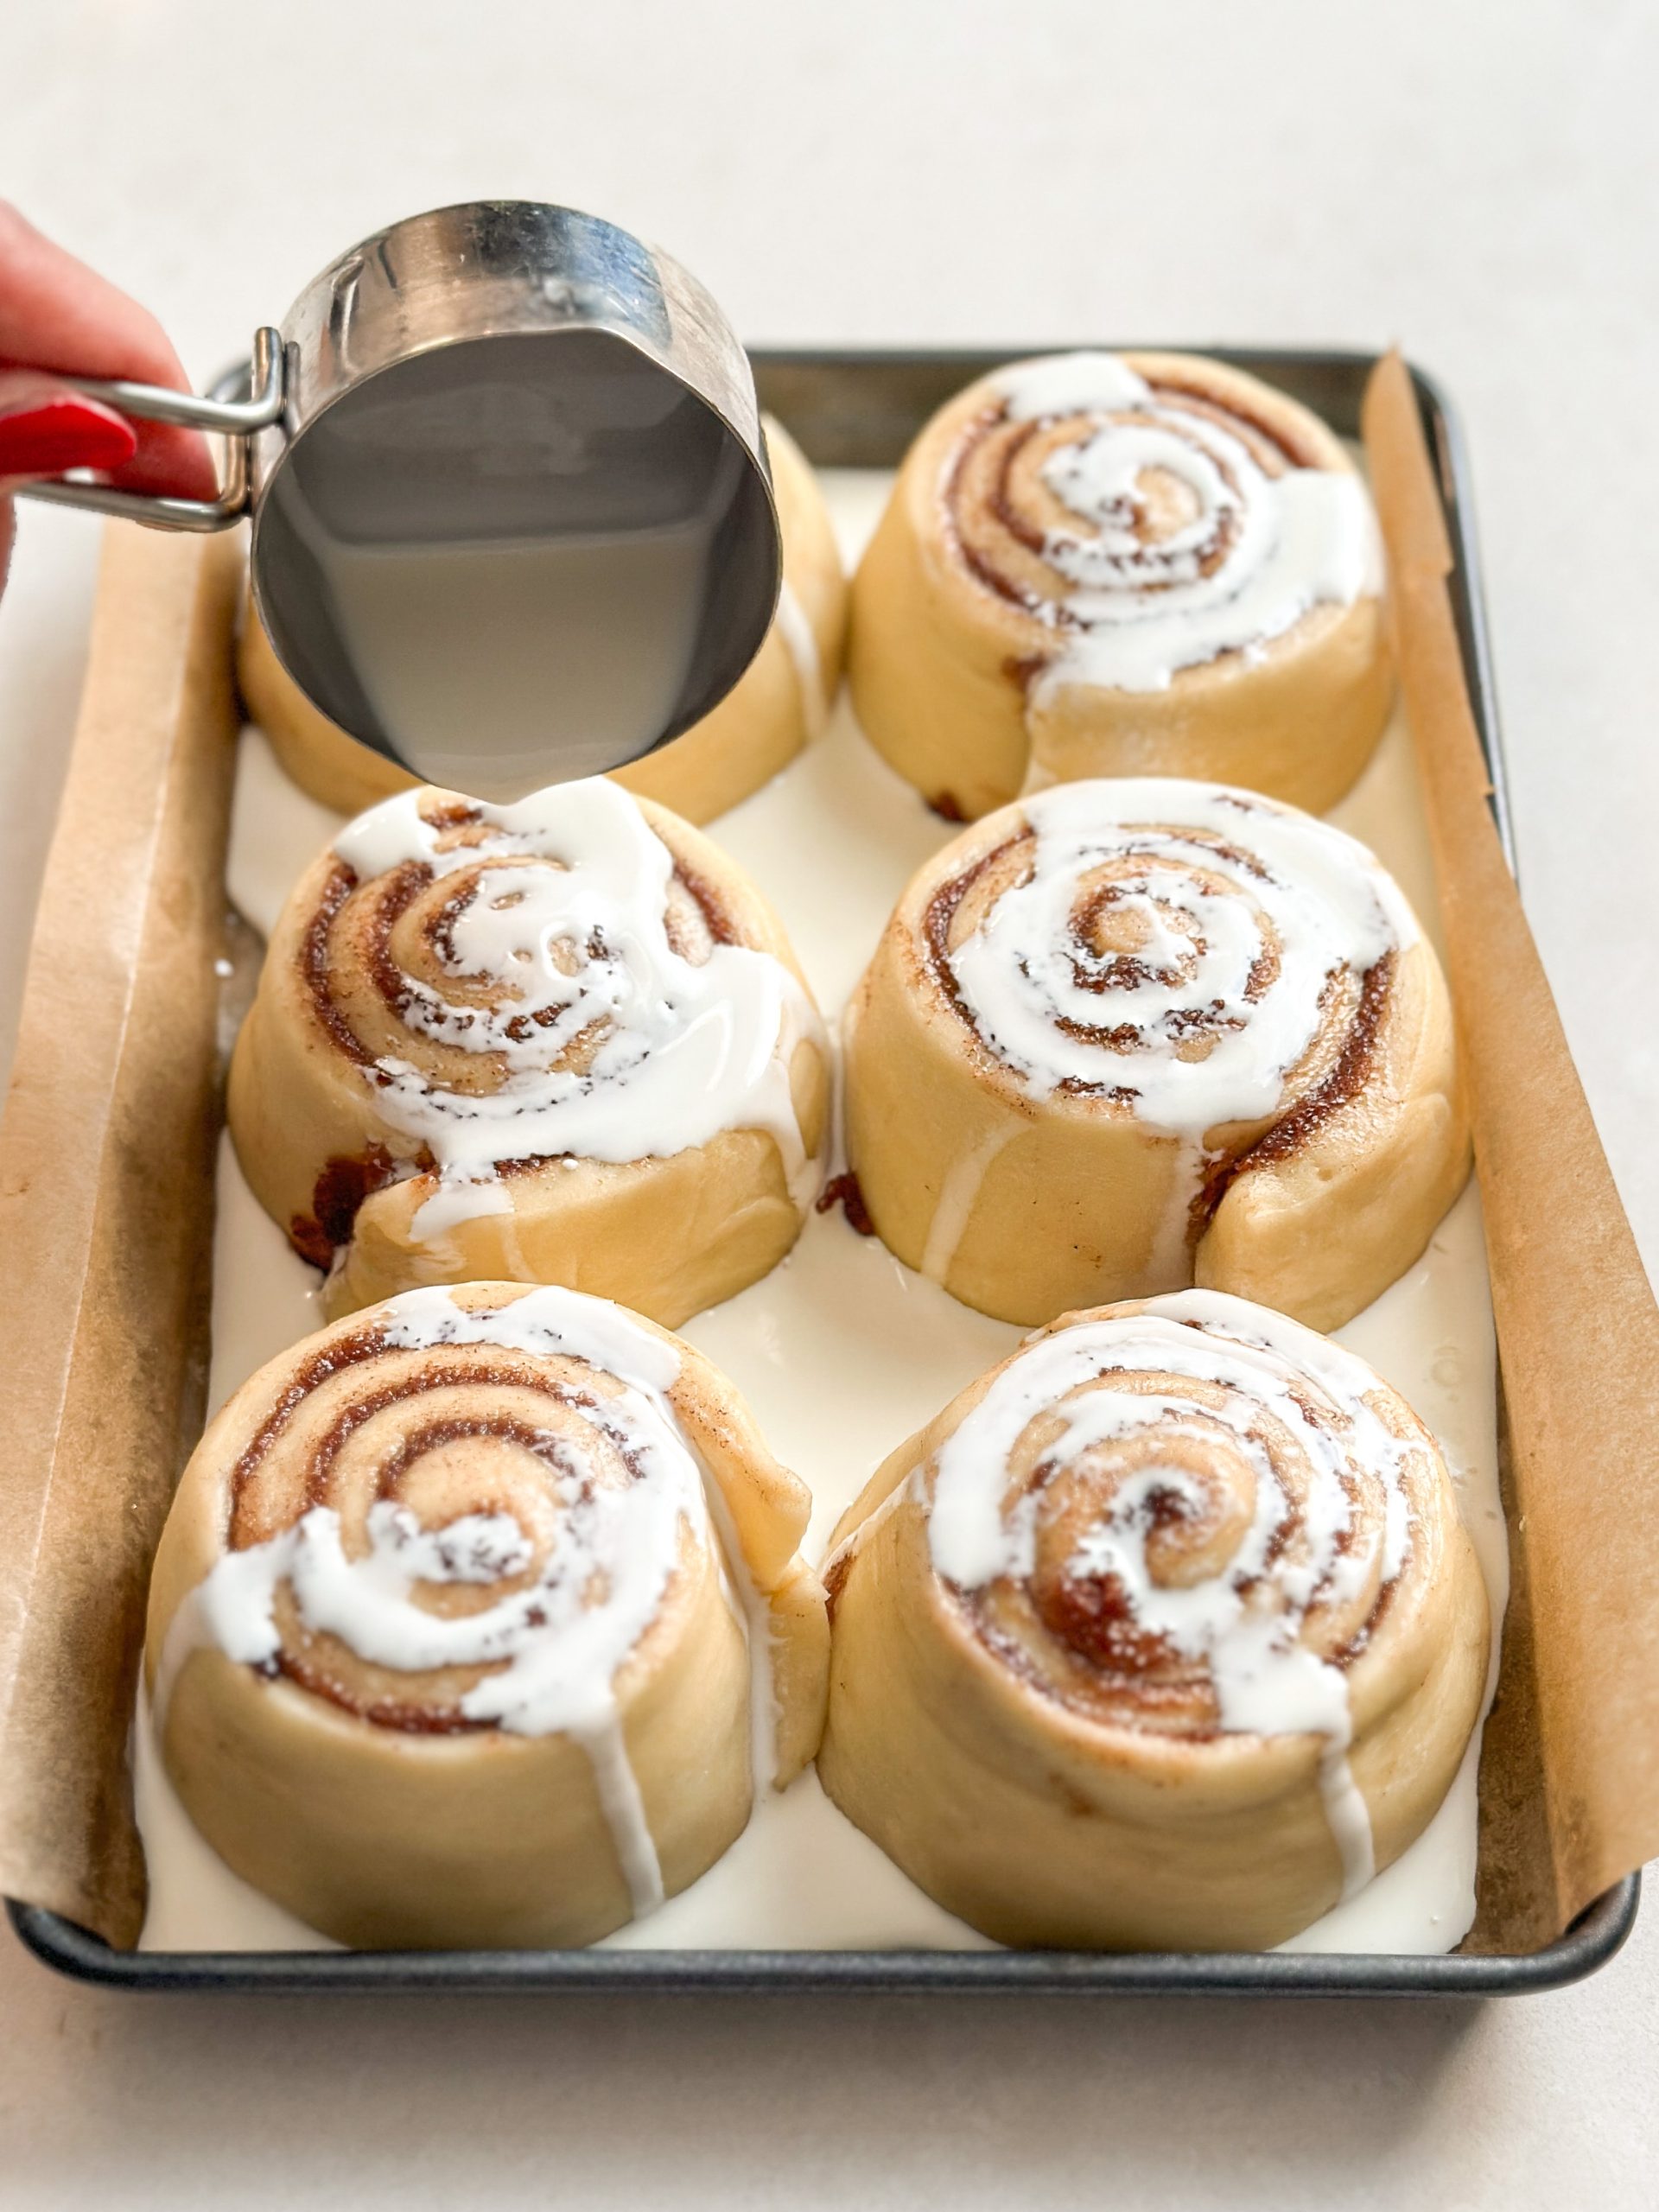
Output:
(553, 1648)
(801, 643)
(575, 934)
(1143, 608)
(1241, 1623)
(832, 841)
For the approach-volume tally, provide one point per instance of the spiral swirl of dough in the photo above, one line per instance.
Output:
(1177, 1597)
(1136, 564)
(1178, 950)
(1152, 527)
(483, 1609)
(543, 979)
(1190, 1516)
(562, 1041)
(1132, 1034)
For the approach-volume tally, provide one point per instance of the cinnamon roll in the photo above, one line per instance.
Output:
(1164, 1635)
(779, 704)
(461, 1615)
(1125, 1036)
(1122, 564)
(563, 1040)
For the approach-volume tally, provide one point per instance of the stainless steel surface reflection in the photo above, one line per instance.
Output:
(512, 516)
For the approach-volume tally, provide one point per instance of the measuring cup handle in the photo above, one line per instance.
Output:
(234, 420)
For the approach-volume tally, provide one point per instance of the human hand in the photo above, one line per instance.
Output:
(57, 315)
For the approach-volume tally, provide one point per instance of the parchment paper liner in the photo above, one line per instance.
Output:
(1570, 1775)
(106, 1156)
(106, 1164)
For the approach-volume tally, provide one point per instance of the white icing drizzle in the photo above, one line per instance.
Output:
(574, 933)
(1256, 554)
(556, 1649)
(625, 1813)
(753, 1609)
(1200, 918)
(1242, 1623)
(957, 1193)
(801, 642)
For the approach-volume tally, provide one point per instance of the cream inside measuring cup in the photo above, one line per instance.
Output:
(498, 560)
(494, 665)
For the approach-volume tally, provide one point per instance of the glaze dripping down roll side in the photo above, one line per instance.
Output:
(1138, 564)
(564, 1040)
(777, 706)
(1165, 1635)
(1128, 1035)
(461, 1614)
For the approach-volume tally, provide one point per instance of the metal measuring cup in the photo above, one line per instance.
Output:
(462, 399)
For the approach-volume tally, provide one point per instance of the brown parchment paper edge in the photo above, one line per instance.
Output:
(106, 1165)
(1570, 1775)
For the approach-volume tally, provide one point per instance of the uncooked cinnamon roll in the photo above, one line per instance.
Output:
(1122, 564)
(778, 705)
(1165, 1635)
(1124, 1036)
(560, 1041)
(461, 1614)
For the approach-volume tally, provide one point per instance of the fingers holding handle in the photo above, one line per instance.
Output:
(58, 318)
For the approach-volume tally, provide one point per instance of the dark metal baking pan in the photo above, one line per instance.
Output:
(860, 410)
(1589, 1943)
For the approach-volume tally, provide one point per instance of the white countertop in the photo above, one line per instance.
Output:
(1477, 183)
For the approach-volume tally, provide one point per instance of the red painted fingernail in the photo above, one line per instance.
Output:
(42, 437)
